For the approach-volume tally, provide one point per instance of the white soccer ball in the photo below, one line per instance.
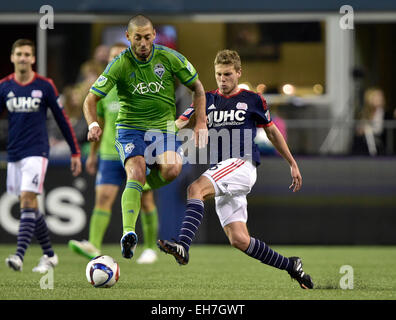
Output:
(102, 272)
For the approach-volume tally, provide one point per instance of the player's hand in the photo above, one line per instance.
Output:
(91, 163)
(180, 124)
(75, 166)
(201, 135)
(94, 134)
(296, 178)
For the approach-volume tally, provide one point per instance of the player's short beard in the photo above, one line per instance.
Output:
(24, 69)
(142, 56)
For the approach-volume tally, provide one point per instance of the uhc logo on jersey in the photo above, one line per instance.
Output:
(226, 118)
(23, 104)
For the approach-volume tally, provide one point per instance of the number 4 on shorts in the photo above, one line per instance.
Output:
(35, 180)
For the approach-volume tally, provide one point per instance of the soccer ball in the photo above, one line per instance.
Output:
(102, 272)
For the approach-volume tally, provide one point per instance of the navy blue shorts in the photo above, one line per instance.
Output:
(110, 172)
(130, 143)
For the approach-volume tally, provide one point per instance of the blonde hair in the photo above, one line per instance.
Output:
(368, 106)
(228, 57)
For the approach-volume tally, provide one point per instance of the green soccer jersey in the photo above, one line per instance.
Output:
(107, 108)
(146, 90)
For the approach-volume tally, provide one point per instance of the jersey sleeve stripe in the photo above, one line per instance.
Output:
(264, 102)
(54, 87)
(265, 125)
(76, 146)
(191, 79)
(265, 107)
(174, 52)
(7, 78)
(96, 91)
(110, 65)
(49, 80)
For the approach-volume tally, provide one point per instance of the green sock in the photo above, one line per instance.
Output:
(98, 225)
(130, 203)
(155, 180)
(149, 222)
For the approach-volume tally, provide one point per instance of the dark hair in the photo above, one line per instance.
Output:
(139, 21)
(23, 42)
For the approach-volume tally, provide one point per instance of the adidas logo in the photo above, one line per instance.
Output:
(10, 94)
(211, 107)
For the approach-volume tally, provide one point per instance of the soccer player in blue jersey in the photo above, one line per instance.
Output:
(233, 110)
(27, 96)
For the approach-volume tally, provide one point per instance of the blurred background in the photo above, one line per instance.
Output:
(325, 70)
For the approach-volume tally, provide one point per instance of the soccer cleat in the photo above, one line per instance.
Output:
(298, 274)
(128, 244)
(175, 249)
(46, 263)
(84, 248)
(14, 262)
(148, 256)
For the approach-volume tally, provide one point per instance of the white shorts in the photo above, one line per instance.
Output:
(232, 180)
(27, 174)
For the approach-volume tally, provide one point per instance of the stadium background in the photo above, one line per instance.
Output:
(347, 198)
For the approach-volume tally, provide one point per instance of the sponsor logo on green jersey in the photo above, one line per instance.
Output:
(143, 87)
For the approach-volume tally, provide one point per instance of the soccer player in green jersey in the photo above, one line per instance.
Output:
(110, 177)
(145, 78)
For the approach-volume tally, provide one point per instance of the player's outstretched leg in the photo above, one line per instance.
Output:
(128, 244)
(191, 222)
(299, 275)
(25, 233)
(259, 250)
(175, 249)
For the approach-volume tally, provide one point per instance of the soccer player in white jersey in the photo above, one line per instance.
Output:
(27, 96)
(232, 109)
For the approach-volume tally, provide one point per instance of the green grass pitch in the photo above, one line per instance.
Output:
(214, 273)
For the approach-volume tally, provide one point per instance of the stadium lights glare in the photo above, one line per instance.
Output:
(244, 86)
(318, 88)
(288, 89)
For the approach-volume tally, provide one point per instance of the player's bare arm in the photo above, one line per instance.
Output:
(92, 159)
(199, 102)
(90, 115)
(280, 145)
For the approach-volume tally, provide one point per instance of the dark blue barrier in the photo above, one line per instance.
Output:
(343, 201)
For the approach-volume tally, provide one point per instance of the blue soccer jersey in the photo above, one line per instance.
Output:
(27, 106)
(235, 120)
